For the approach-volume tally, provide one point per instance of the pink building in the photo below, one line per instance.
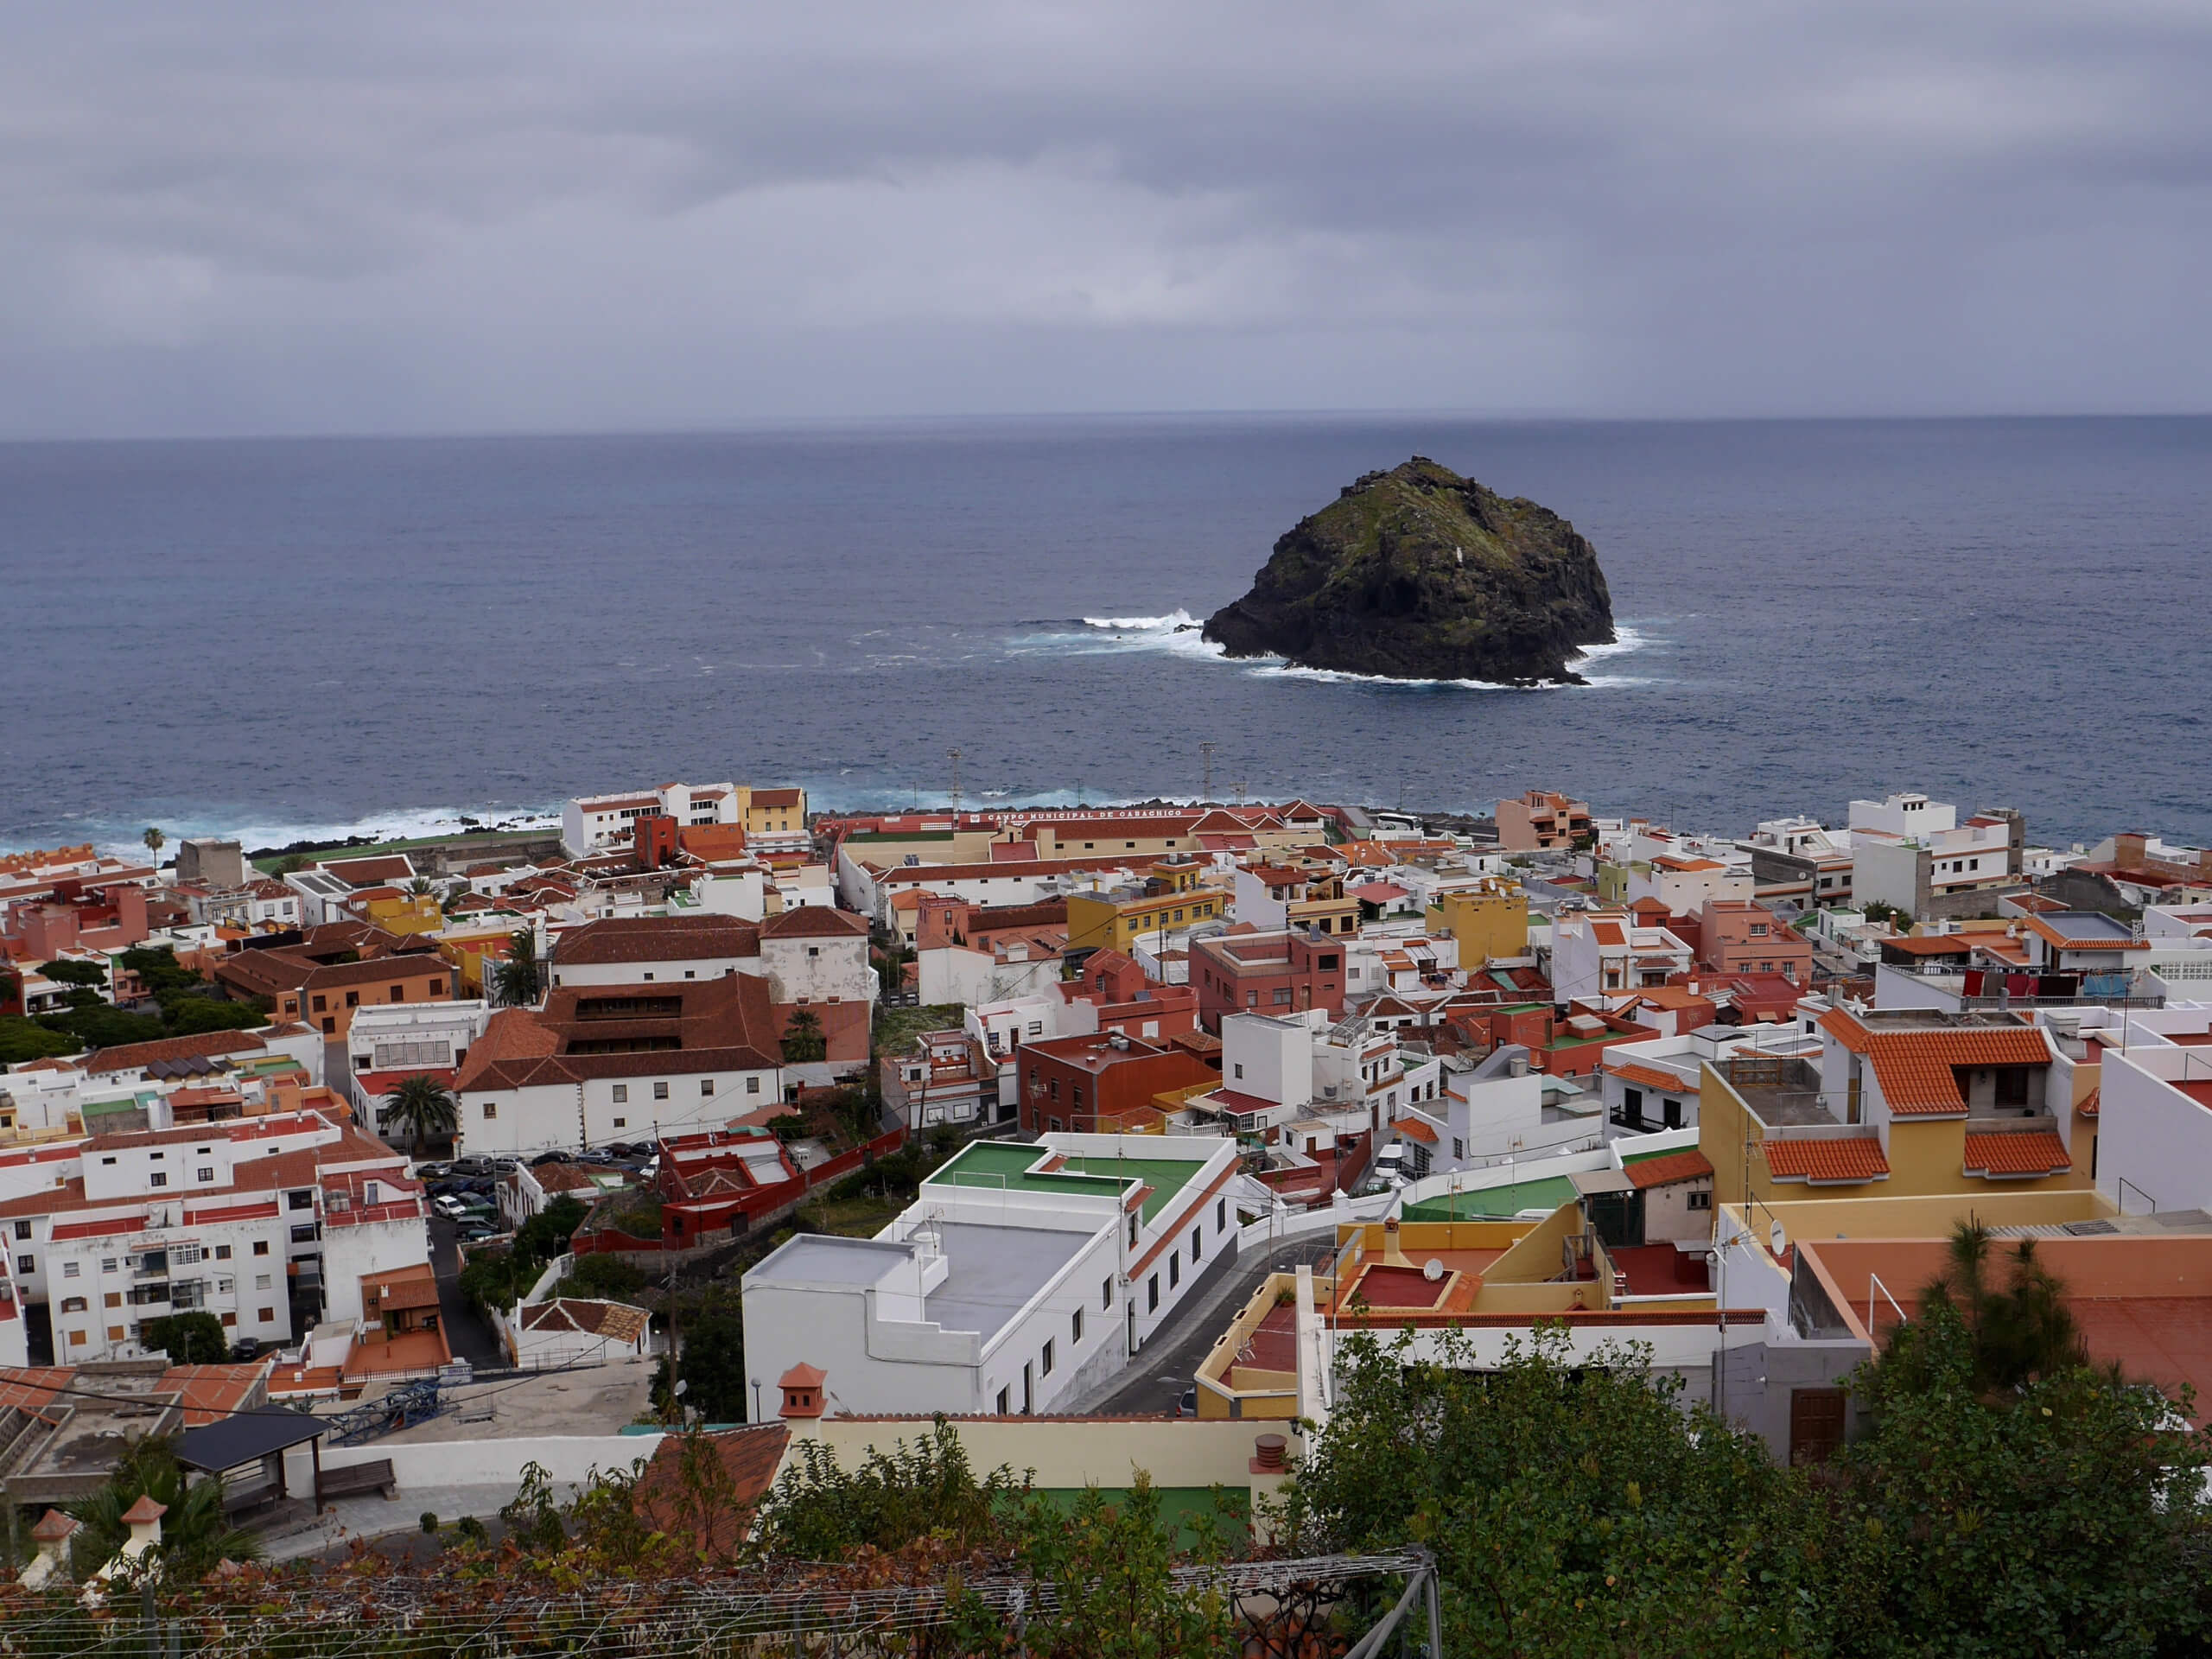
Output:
(1737, 935)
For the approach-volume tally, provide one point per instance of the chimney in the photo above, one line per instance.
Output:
(52, 1535)
(802, 1393)
(144, 1520)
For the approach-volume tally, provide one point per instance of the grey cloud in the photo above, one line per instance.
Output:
(411, 216)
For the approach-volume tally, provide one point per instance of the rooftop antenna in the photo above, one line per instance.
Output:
(1205, 790)
(955, 754)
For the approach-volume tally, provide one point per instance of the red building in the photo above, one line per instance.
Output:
(1280, 972)
(1097, 1085)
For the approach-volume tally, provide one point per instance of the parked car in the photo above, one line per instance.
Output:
(545, 1158)
(475, 1232)
(476, 1167)
(449, 1206)
(432, 1170)
(505, 1166)
(1186, 1404)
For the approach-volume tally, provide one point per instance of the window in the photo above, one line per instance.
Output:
(26, 1265)
(1700, 1201)
(1075, 1332)
(1044, 1360)
(229, 1318)
(399, 993)
(73, 1305)
(117, 1333)
(22, 1229)
(70, 1269)
(261, 1247)
(621, 1094)
(1195, 1253)
(227, 1286)
(1003, 1404)
(1220, 1214)
(1152, 1294)
(437, 987)
(690, 973)
(206, 1173)
(1133, 1229)
(1758, 929)
(660, 1091)
(353, 999)
(753, 1085)
(321, 1003)
(491, 1110)
(1239, 1068)
(813, 949)
(268, 1316)
(329, 1025)
(1175, 1268)
(621, 1122)
(1282, 996)
(113, 1298)
(222, 1252)
(648, 975)
(1459, 1150)
(261, 1281)
(300, 1200)
(1251, 999)
(707, 1087)
(304, 1235)
(1105, 1293)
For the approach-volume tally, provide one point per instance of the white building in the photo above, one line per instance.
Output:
(1907, 850)
(1652, 1085)
(656, 950)
(1602, 955)
(1023, 1276)
(384, 1044)
(816, 954)
(600, 1063)
(594, 823)
(2154, 1112)
(229, 1218)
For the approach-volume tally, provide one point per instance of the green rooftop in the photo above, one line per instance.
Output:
(1502, 1202)
(1005, 1164)
(1638, 1157)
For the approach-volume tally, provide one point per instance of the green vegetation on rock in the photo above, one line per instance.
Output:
(1419, 574)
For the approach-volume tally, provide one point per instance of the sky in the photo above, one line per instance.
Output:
(234, 219)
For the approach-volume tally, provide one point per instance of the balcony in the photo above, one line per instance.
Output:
(1782, 1093)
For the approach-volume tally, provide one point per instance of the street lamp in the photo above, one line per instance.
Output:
(756, 1399)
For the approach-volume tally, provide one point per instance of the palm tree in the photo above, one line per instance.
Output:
(195, 1537)
(517, 982)
(153, 838)
(804, 1039)
(422, 1106)
(2021, 1326)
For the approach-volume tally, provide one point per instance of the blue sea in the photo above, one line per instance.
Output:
(283, 638)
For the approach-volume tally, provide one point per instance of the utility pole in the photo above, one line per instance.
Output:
(955, 754)
(1206, 791)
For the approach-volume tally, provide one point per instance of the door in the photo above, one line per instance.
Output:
(1028, 1401)
(1815, 1424)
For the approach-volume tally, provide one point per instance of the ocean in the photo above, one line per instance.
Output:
(285, 638)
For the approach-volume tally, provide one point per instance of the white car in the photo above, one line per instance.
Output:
(449, 1206)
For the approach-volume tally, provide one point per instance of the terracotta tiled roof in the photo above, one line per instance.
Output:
(814, 922)
(1917, 1070)
(1415, 1129)
(205, 1046)
(1934, 944)
(2089, 1103)
(1824, 1163)
(616, 1321)
(2018, 1155)
(1688, 1166)
(750, 1456)
(657, 938)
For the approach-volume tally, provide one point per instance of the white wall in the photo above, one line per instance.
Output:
(808, 969)
(2150, 1134)
(659, 972)
(1271, 1058)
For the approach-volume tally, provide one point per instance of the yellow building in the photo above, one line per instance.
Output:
(772, 812)
(476, 950)
(1903, 1103)
(1170, 901)
(405, 913)
(1490, 921)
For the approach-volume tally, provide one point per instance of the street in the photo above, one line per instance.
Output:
(1156, 1378)
(469, 1336)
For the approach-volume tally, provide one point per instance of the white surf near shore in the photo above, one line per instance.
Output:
(1178, 633)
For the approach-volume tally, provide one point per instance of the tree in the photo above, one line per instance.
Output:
(194, 1338)
(1575, 1506)
(517, 983)
(2013, 1309)
(819, 1511)
(496, 1279)
(76, 973)
(153, 838)
(602, 1278)
(546, 1234)
(422, 1106)
(2067, 1515)
(804, 1041)
(195, 1537)
(26, 1040)
(712, 1365)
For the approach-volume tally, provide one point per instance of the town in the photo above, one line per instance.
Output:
(1096, 1138)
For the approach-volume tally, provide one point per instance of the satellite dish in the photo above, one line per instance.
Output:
(1433, 1270)
(1776, 1239)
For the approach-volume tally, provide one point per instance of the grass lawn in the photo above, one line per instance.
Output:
(897, 1029)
